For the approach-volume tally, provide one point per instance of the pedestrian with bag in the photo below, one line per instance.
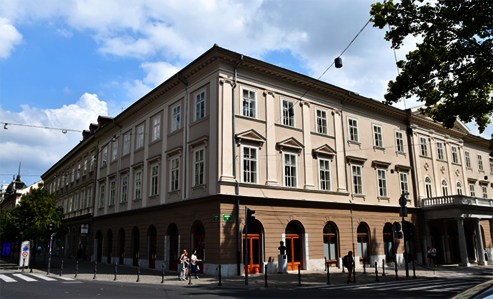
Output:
(184, 263)
(195, 266)
(348, 262)
(434, 256)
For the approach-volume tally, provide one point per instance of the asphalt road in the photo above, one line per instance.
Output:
(38, 287)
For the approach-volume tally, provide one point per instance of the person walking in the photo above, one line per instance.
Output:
(350, 265)
(195, 266)
(184, 263)
(434, 256)
(428, 255)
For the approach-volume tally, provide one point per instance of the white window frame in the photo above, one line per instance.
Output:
(357, 179)
(76, 201)
(428, 187)
(104, 161)
(140, 136)
(322, 121)
(472, 190)
(459, 187)
(455, 154)
(484, 188)
(89, 197)
(175, 174)
(83, 199)
(124, 196)
(288, 120)
(399, 142)
(248, 100)
(445, 187)
(78, 171)
(248, 175)
(491, 165)
(199, 167)
(73, 174)
(289, 181)
(353, 130)
(138, 185)
(154, 180)
(468, 159)
(404, 185)
(70, 203)
(126, 144)
(423, 142)
(101, 195)
(84, 171)
(377, 136)
(440, 154)
(112, 192)
(93, 157)
(382, 183)
(156, 128)
(200, 105)
(114, 155)
(175, 117)
(480, 162)
(324, 174)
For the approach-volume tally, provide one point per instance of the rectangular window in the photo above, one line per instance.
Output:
(357, 179)
(112, 192)
(114, 155)
(101, 196)
(399, 142)
(377, 136)
(89, 197)
(404, 185)
(480, 162)
(199, 167)
(93, 159)
(124, 189)
(324, 174)
(156, 128)
(382, 183)
(175, 125)
(353, 130)
(249, 165)
(70, 202)
(290, 170)
(175, 174)
(105, 156)
(76, 201)
(126, 144)
(140, 137)
(455, 155)
(73, 175)
(138, 185)
(78, 171)
(468, 159)
(200, 105)
(154, 179)
(485, 191)
(321, 121)
(84, 172)
(288, 113)
(491, 165)
(83, 199)
(424, 146)
(471, 189)
(249, 103)
(440, 150)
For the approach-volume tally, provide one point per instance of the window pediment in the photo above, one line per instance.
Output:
(324, 150)
(377, 163)
(472, 180)
(291, 143)
(355, 160)
(174, 151)
(400, 167)
(251, 135)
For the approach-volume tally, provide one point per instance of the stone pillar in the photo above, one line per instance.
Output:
(462, 243)
(446, 247)
(479, 243)
(270, 146)
(307, 141)
(226, 161)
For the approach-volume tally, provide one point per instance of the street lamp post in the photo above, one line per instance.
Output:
(352, 239)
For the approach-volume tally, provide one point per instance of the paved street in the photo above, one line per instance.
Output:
(441, 282)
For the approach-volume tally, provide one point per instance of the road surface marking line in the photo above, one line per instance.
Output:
(6, 278)
(65, 278)
(26, 278)
(40, 276)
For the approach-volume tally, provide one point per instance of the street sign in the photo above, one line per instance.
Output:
(24, 256)
(215, 217)
(396, 226)
(403, 201)
(84, 229)
(227, 218)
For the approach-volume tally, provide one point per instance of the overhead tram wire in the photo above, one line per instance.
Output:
(64, 131)
(398, 73)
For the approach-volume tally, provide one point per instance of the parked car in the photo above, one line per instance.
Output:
(480, 291)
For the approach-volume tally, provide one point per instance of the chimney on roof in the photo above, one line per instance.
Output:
(104, 120)
(93, 127)
(85, 134)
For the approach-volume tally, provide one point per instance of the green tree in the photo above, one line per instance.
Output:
(451, 70)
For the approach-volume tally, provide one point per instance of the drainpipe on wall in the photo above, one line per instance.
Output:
(185, 150)
(344, 139)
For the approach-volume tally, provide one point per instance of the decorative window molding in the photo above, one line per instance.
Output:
(355, 160)
(380, 164)
(290, 143)
(174, 151)
(324, 149)
(251, 135)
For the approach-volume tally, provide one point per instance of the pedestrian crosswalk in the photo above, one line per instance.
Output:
(32, 277)
(425, 285)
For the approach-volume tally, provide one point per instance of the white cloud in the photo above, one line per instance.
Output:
(39, 149)
(64, 32)
(9, 37)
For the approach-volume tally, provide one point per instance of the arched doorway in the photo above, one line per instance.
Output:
(363, 237)
(121, 245)
(198, 233)
(109, 252)
(331, 247)
(152, 236)
(173, 247)
(99, 246)
(135, 246)
(254, 247)
(388, 243)
(294, 245)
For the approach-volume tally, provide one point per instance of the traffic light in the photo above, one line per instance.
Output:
(49, 229)
(408, 230)
(249, 215)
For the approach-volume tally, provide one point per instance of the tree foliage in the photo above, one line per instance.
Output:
(451, 70)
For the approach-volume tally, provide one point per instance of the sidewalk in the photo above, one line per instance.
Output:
(105, 272)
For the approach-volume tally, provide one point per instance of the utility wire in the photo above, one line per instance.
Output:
(40, 127)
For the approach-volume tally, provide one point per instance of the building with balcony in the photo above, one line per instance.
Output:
(323, 172)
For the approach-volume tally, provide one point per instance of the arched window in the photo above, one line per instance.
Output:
(388, 242)
(330, 244)
(429, 192)
(363, 246)
(444, 187)
(294, 248)
(459, 188)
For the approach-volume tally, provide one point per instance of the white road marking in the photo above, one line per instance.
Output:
(44, 277)
(6, 278)
(24, 277)
(65, 278)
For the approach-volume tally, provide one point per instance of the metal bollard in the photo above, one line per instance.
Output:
(76, 268)
(61, 268)
(190, 274)
(95, 269)
(138, 272)
(396, 276)
(23, 262)
(299, 275)
(265, 271)
(328, 273)
(220, 284)
(116, 271)
(414, 270)
(383, 267)
(31, 264)
(343, 268)
(162, 281)
(354, 272)
(364, 267)
(376, 272)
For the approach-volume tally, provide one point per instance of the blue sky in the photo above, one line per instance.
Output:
(64, 62)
